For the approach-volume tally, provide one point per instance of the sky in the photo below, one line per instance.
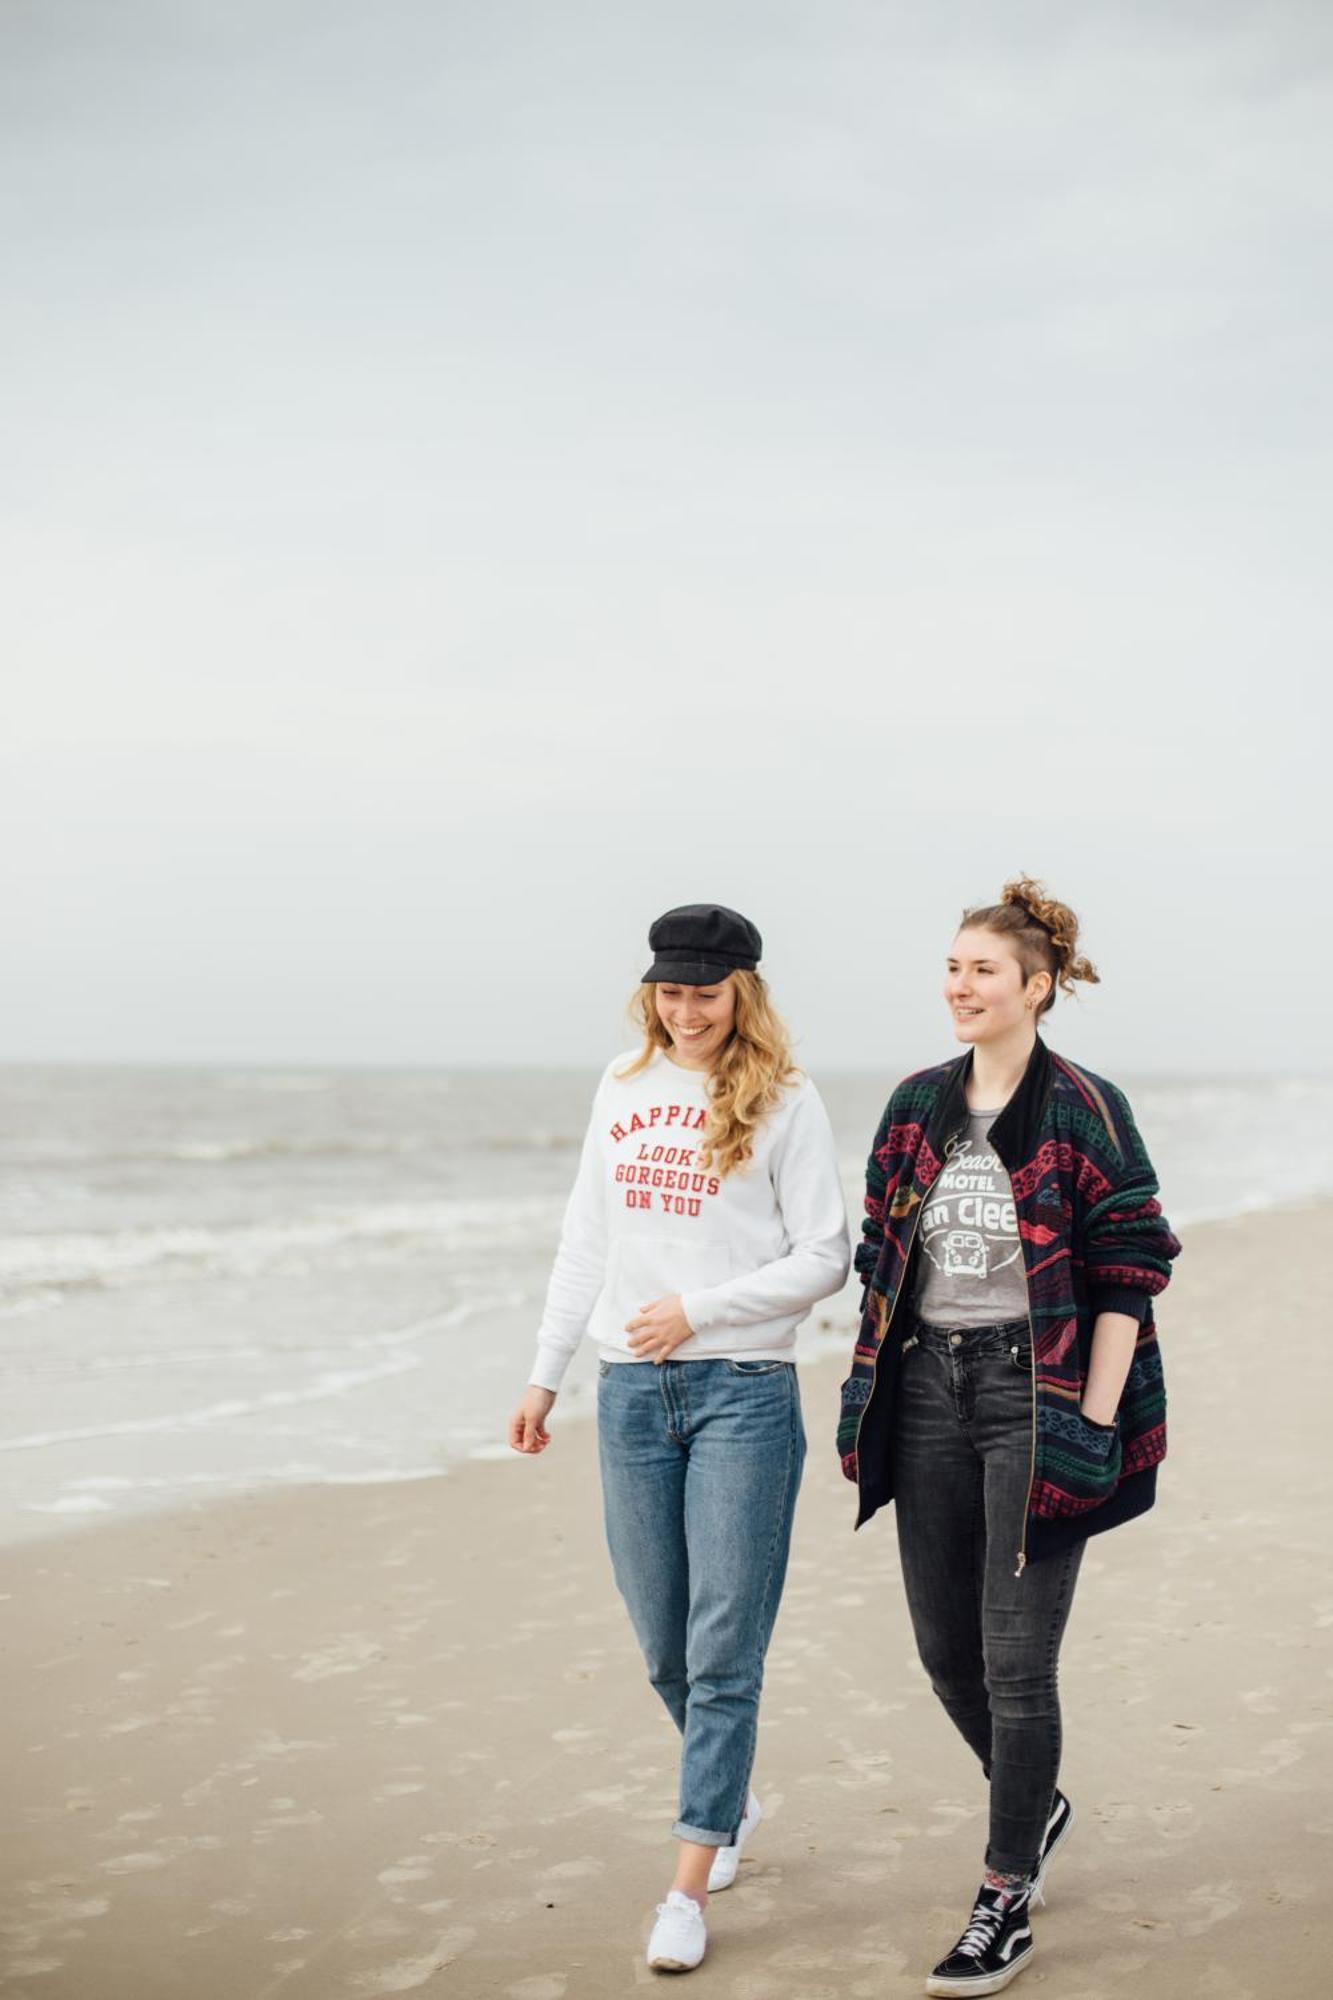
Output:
(476, 476)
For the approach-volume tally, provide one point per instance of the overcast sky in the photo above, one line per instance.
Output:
(476, 475)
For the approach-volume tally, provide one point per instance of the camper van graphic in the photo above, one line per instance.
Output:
(964, 1254)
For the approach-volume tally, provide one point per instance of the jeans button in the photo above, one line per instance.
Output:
(955, 1340)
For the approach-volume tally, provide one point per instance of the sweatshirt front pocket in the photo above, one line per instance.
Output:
(657, 1267)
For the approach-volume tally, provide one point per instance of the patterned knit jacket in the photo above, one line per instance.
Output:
(1093, 1238)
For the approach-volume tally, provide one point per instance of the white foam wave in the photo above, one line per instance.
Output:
(206, 1151)
(87, 1496)
(213, 1151)
(384, 1476)
(291, 1081)
(296, 1472)
(335, 1383)
(117, 1255)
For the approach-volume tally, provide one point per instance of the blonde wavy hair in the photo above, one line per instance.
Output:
(748, 1077)
(1043, 933)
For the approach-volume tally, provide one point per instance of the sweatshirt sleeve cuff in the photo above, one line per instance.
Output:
(703, 1311)
(549, 1369)
(1120, 1299)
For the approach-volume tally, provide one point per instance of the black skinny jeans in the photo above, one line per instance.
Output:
(989, 1640)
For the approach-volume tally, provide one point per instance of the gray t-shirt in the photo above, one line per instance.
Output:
(970, 1269)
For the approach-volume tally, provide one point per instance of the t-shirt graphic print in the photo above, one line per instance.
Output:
(970, 1268)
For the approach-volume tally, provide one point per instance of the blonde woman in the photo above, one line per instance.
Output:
(706, 1220)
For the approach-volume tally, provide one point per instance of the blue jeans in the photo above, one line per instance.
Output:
(988, 1639)
(701, 1463)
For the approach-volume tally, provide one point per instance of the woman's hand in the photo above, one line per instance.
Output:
(659, 1329)
(527, 1426)
(1114, 1336)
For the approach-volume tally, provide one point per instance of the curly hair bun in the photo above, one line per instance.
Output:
(1036, 907)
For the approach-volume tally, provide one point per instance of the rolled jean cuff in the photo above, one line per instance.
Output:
(1011, 1864)
(701, 1836)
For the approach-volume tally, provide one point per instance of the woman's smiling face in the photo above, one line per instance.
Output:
(985, 988)
(698, 1019)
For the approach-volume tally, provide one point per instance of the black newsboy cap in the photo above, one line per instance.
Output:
(700, 943)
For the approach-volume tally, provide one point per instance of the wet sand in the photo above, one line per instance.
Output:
(365, 1741)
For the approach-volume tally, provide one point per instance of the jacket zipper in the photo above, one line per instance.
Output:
(949, 1151)
(1032, 1462)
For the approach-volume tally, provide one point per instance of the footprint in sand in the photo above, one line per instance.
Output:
(351, 1655)
(570, 1871)
(271, 1745)
(1214, 1901)
(378, 1930)
(132, 1864)
(542, 1986)
(408, 1973)
(1262, 1700)
(1177, 1822)
(74, 1909)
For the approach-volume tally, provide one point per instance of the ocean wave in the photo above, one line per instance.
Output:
(528, 1142)
(45, 1366)
(176, 1422)
(297, 1082)
(90, 1496)
(208, 1151)
(120, 1256)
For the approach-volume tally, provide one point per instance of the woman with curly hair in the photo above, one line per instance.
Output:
(706, 1220)
(1006, 1387)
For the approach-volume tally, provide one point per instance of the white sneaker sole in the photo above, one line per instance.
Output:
(985, 1982)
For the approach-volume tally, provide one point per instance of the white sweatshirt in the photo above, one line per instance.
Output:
(748, 1254)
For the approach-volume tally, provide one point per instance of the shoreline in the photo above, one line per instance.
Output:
(96, 1505)
(372, 1740)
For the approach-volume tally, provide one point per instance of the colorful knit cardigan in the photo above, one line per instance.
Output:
(1094, 1239)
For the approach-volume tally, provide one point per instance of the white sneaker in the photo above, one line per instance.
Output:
(728, 1859)
(679, 1936)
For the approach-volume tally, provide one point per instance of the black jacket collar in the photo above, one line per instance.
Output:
(1014, 1133)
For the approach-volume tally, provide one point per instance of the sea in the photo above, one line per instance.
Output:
(216, 1281)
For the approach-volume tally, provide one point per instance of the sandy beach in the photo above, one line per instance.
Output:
(363, 1741)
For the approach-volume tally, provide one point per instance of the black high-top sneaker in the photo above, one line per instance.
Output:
(1058, 1829)
(994, 1948)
